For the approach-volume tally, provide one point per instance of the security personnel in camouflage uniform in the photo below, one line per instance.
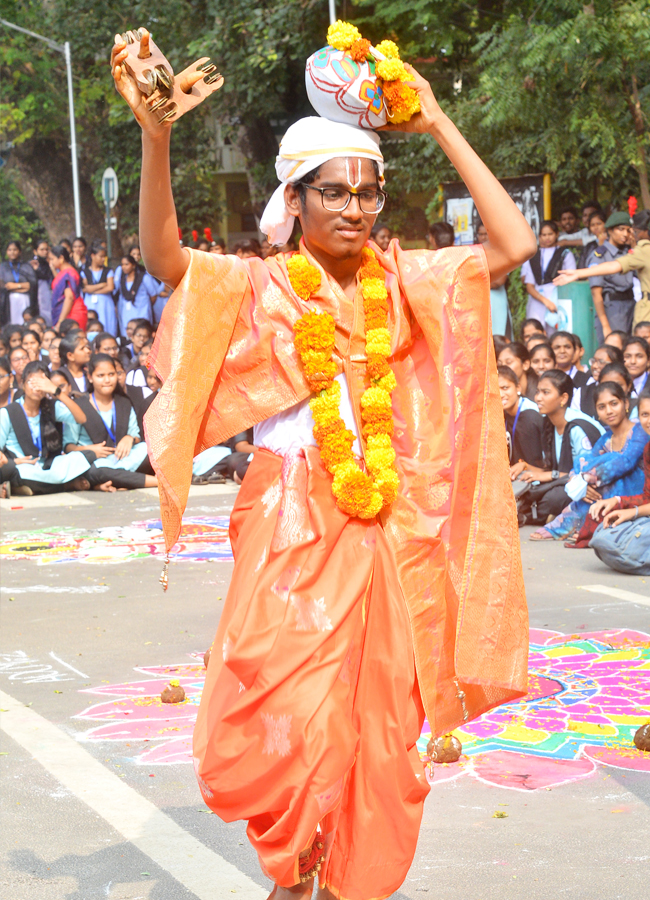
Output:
(613, 294)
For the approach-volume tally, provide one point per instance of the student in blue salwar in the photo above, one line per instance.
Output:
(110, 430)
(98, 284)
(135, 290)
(612, 468)
(30, 434)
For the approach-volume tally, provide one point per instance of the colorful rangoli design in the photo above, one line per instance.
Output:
(203, 538)
(588, 695)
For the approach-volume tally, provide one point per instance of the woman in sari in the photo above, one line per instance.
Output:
(67, 302)
(612, 468)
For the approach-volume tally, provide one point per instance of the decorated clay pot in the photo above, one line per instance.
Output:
(173, 693)
(444, 749)
(642, 738)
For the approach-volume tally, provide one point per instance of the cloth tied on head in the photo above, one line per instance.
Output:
(309, 143)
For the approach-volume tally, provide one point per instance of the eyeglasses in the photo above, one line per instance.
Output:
(338, 199)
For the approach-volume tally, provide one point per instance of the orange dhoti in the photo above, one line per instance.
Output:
(311, 708)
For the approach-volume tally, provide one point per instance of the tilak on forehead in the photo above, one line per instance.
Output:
(308, 144)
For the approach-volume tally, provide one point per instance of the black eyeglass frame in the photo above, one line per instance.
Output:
(379, 192)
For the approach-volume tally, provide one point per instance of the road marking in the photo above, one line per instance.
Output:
(190, 862)
(48, 589)
(618, 593)
(67, 665)
(17, 666)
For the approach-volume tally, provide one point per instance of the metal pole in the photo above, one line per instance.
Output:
(73, 141)
(65, 49)
(107, 202)
(332, 11)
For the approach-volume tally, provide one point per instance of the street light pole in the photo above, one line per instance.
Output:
(332, 11)
(65, 50)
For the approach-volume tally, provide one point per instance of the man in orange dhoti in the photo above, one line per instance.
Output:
(377, 573)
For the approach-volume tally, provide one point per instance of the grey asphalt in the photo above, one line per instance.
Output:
(585, 840)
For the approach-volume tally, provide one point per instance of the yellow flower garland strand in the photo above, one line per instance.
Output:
(357, 493)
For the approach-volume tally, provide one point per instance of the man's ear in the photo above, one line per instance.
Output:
(292, 199)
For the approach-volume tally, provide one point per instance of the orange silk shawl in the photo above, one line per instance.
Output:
(225, 353)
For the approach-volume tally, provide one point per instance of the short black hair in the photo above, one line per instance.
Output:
(620, 369)
(549, 223)
(641, 341)
(641, 325)
(569, 209)
(443, 234)
(568, 335)
(591, 204)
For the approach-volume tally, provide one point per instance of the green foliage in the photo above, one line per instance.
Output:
(18, 221)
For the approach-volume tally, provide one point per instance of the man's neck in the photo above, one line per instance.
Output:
(343, 270)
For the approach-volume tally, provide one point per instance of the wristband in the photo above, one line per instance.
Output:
(636, 513)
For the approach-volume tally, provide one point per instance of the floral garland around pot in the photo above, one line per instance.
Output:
(357, 493)
(401, 101)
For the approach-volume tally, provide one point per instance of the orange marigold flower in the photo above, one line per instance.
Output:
(402, 102)
(359, 50)
(304, 278)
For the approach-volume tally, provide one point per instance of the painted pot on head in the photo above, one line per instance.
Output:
(343, 90)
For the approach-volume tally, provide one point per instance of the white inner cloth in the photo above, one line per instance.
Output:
(293, 429)
(309, 143)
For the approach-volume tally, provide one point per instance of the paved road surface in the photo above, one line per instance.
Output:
(86, 819)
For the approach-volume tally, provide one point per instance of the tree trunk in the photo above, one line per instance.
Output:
(44, 173)
(634, 105)
(259, 145)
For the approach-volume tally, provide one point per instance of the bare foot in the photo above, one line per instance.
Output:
(297, 892)
(325, 894)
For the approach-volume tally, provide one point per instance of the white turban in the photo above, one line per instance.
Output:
(308, 144)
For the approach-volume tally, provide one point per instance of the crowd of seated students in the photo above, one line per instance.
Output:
(72, 407)
(579, 440)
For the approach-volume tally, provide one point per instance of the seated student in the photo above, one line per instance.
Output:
(636, 358)
(126, 347)
(617, 338)
(75, 353)
(59, 380)
(141, 333)
(31, 344)
(54, 357)
(93, 329)
(618, 373)
(622, 540)
(603, 356)
(565, 347)
(568, 435)
(500, 342)
(137, 373)
(538, 274)
(524, 425)
(10, 481)
(29, 434)
(542, 358)
(642, 329)
(12, 336)
(440, 234)
(230, 459)
(48, 336)
(7, 390)
(610, 469)
(531, 327)
(516, 357)
(534, 340)
(579, 353)
(18, 359)
(106, 343)
(143, 397)
(110, 430)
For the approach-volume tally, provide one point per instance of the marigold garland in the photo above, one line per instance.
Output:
(357, 493)
(401, 101)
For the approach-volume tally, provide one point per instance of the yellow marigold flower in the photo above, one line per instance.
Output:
(304, 278)
(378, 460)
(355, 493)
(374, 289)
(314, 331)
(388, 382)
(377, 441)
(378, 342)
(391, 69)
(375, 398)
(388, 485)
(388, 48)
(341, 35)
